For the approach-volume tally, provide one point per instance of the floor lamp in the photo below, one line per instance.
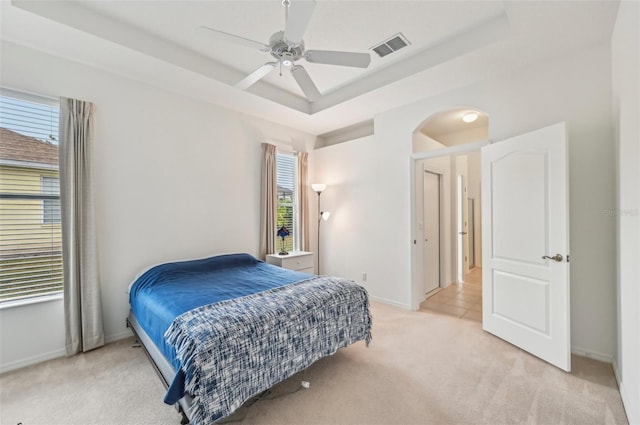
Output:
(318, 188)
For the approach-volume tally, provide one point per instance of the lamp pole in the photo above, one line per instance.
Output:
(319, 220)
(318, 188)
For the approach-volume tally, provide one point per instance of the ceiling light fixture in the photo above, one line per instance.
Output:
(286, 58)
(470, 117)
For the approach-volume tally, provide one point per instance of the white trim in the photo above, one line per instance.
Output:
(56, 354)
(590, 354)
(282, 147)
(31, 300)
(6, 367)
(451, 150)
(123, 334)
(390, 302)
(30, 97)
(286, 151)
(623, 394)
(615, 370)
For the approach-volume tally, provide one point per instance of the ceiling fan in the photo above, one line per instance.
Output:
(287, 47)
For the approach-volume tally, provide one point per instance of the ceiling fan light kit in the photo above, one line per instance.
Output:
(287, 47)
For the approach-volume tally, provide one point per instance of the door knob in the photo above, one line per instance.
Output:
(556, 257)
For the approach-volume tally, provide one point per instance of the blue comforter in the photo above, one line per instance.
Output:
(166, 291)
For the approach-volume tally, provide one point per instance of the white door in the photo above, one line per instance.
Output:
(432, 231)
(525, 297)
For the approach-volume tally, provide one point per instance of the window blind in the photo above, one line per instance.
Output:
(30, 220)
(286, 179)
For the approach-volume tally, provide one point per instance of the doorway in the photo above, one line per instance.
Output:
(460, 291)
(453, 153)
(524, 292)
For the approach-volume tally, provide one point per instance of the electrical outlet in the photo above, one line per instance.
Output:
(364, 276)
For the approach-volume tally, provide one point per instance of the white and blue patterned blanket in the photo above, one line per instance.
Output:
(235, 349)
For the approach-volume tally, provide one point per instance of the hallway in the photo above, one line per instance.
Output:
(460, 300)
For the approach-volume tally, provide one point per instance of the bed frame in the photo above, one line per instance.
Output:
(161, 365)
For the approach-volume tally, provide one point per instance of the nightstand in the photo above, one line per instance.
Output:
(300, 261)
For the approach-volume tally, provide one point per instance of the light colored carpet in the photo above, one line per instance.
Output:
(421, 368)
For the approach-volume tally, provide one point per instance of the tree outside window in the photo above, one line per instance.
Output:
(287, 210)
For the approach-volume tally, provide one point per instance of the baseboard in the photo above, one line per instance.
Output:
(126, 333)
(628, 409)
(585, 352)
(390, 302)
(616, 372)
(625, 399)
(32, 360)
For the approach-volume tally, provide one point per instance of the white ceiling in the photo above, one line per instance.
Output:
(453, 43)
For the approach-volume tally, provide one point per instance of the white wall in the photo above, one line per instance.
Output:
(175, 178)
(348, 169)
(31, 333)
(424, 143)
(626, 106)
(575, 89)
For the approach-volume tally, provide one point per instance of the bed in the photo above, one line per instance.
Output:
(223, 329)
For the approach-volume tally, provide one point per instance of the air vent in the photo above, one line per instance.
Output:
(391, 45)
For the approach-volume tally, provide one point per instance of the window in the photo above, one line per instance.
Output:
(51, 200)
(30, 220)
(287, 181)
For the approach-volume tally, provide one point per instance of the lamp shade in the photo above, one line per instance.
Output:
(283, 232)
(318, 187)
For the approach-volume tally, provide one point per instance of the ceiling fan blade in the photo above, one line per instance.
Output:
(306, 84)
(298, 16)
(256, 75)
(221, 35)
(358, 60)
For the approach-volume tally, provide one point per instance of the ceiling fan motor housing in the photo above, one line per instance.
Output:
(281, 50)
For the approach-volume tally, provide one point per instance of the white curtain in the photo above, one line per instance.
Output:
(303, 200)
(82, 298)
(269, 201)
